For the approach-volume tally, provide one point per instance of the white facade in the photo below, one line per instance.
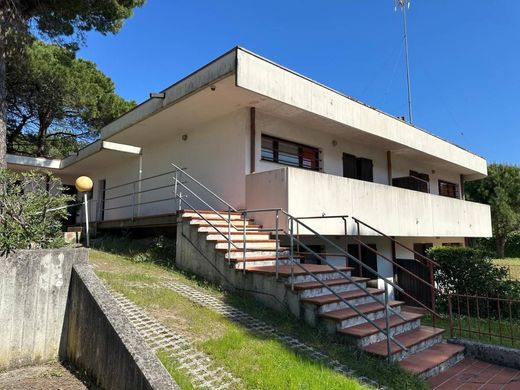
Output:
(205, 123)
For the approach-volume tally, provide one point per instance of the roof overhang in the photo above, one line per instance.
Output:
(241, 79)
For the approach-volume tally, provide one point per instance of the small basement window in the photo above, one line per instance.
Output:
(290, 153)
(448, 189)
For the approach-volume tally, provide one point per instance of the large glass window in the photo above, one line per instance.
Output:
(290, 153)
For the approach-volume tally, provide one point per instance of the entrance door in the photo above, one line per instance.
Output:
(410, 284)
(367, 257)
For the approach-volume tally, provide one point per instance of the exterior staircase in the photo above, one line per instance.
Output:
(314, 293)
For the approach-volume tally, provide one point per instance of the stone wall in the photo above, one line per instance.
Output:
(33, 293)
(496, 354)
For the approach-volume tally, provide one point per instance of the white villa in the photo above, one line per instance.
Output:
(263, 137)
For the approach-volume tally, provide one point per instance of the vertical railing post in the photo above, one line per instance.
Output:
(359, 249)
(387, 324)
(346, 239)
(291, 249)
(133, 201)
(277, 248)
(87, 232)
(229, 236)
(432, 291)
(180, 192)
(175, 187)
(244, 244)
(450, 315)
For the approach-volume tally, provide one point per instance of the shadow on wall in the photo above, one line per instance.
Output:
(53, 305)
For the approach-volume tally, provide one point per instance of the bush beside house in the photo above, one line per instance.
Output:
(32, 210)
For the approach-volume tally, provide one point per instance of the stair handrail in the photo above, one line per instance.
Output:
(213, 194)
(385, 304)
(429, 260)
(429, 264)
(209, 222)
(387, 308)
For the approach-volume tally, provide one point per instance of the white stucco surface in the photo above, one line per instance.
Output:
(395, 211)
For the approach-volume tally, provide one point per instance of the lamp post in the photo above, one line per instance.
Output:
(84, 185)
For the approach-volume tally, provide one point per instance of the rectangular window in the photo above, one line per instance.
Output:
(357, 167)
(290, 153)
(448, 189)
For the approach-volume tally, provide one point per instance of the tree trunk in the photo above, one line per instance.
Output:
(3, 103)
(501, 246)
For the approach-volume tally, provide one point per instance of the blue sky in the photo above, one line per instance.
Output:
(464, 55)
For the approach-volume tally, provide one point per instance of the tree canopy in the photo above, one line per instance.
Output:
(57, 102)
(501, 190)
(21, 19)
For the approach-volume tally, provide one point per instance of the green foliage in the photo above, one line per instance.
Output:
(160, 250)
(511, 249)
(22, 20)
(501, 190)
(468, 271)
(26, 216)
(56, 103)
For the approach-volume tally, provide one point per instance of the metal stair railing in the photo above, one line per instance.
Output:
(387, 308)
(291, 219)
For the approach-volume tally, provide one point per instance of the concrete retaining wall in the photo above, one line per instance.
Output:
(98, 338)
(33, 294)
(496, 354)
(197, 255)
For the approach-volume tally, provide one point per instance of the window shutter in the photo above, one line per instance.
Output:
(349, 166)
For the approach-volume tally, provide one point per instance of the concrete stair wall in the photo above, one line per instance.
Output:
(308, 291)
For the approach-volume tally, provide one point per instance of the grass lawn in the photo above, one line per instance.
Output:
(259, 361)
(512, 264)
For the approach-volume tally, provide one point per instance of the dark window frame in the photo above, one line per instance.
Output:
(301, 149)
(455, 193)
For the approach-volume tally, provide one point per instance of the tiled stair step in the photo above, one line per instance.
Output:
(366, 333)
(252, 249)
(239, 253)
(433, 360)
(415, 340)
(313, 288)
(211, 215)
(345, 314)
(222, 223)
(238, 230)
(286, 271)
(367, 329)
(249, 244)
(334, 282)
(237, 236)
(330, 302)
(261, 261)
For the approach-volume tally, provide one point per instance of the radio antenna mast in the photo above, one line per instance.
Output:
(403, 5)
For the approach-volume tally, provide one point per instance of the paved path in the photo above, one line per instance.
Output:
(42, 377)
(202, 371)
(255, 325)
(475, 374)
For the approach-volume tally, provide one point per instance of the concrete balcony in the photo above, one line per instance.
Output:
(394, 211)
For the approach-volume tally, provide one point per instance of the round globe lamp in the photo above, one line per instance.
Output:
(84, 185)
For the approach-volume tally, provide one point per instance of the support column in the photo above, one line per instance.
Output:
(389, 166)
(252, 152)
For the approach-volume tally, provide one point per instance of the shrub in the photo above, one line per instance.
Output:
(27, 216)
(159, 249)
(469, 271)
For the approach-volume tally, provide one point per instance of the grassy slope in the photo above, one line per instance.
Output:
(260, 362)
(512, 264)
